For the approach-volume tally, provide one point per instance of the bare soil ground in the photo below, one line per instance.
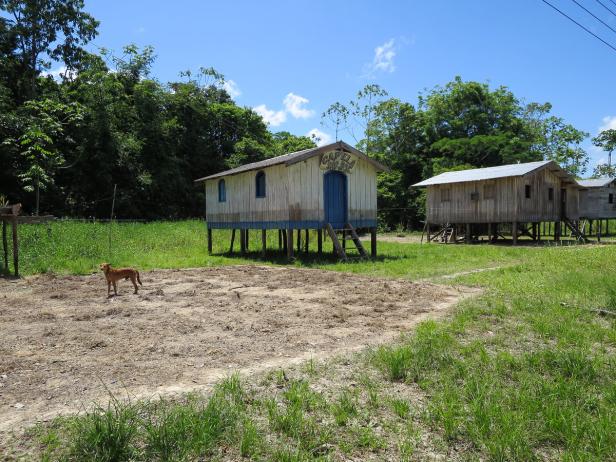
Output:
(63, 343)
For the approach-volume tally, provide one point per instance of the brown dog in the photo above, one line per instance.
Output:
(114, 275)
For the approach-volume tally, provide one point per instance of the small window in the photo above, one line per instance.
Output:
(550, 194)
(222, 191)
(445, 195)
(527, 191)
(260, 184)
(610, 199)
(475, 196)
(488, 191)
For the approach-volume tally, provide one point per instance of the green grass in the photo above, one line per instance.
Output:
(525, 371)
(71, 247)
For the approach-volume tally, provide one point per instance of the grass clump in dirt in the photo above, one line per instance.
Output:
(157, 430)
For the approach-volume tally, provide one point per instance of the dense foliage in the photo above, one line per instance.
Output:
(68, 138)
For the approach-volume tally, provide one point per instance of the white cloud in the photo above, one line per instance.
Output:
(609, 122)
(319, 137)
(384, 57)
(59, 72)
(274, 118)
(231, 87)
(293, 105)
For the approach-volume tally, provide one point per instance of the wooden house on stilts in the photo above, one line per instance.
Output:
(330, 188)
(467, 204)
(598, 204)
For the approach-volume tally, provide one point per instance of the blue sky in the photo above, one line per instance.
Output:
(292, 59)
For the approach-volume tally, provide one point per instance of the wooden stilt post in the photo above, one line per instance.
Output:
(232, 240)
(299, 241)
(243, 241)
(279, 239)
(489, 232)
(246, 240)
(373, 242)
(320, 241)
(15, 247)
(514, 232)
(467, 234)
(263, 242)
(599, 232)
(284, 240)
(590, 229)
(557, 230)
(5, 246)
(534, 231)
(209, 240)
(307, 243)
(428, 237)
(289, 243)
(344, 239)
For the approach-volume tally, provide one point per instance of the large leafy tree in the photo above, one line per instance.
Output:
(605, 140)
(46, 31)
(41, 128)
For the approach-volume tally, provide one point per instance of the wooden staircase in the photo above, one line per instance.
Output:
(575, 230)
(349, 234)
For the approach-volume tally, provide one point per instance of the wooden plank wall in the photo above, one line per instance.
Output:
(509, 202)
(460, 208)
(242, 206)
(306, 191)
(594, 203)
(293, 193)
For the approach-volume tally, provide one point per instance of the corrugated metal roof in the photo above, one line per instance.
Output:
(488, 173)
(596, 182)
(293, 157)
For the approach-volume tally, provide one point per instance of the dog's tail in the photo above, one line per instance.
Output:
(138, 280)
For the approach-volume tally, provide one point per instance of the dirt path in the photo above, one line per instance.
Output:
(64, 344)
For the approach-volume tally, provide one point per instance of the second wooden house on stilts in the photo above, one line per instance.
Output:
(508, 199)
(331, 188)
(597, 205)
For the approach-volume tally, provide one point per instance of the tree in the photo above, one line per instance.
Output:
(48, 30)
(336, 116)
(553, 139)
(43, 125)
(606, 140)
(285, 142)
(363, 109)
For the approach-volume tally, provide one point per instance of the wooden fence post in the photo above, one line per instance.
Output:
(209, 241)
(15, 247)
(319, 241)
(5, 246)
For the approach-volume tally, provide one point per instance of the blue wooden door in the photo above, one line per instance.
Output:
(335, 198)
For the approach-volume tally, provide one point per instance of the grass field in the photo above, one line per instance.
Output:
(70, 247)
(526, 371)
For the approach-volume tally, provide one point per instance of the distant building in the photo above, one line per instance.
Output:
(331, 187)
(598, 198)
(477, 201)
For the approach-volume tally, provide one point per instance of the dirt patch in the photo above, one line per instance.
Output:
(399, 239)
(64, 344)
